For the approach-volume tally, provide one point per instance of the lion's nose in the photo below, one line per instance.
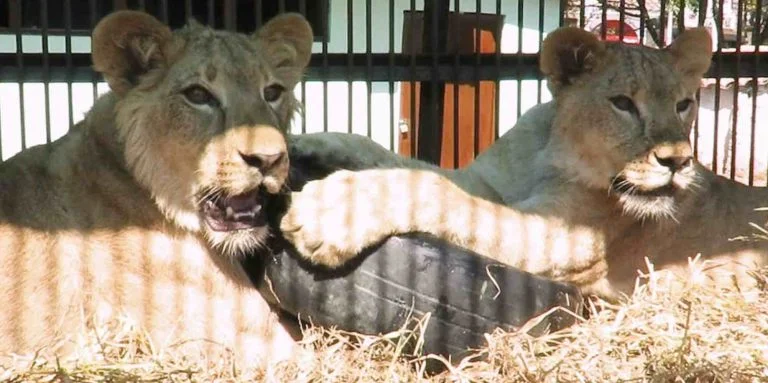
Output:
(265, 162)
(674, 157)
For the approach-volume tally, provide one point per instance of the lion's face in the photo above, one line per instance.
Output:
(624, 114)
(203, 116)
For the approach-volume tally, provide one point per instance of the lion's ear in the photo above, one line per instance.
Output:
(568, 53)
(691, 53)
(287, 40)
(127, 44)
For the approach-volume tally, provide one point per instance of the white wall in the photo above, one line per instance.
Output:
(338, 100)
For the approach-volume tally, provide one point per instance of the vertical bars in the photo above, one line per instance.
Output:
(520, 11)
(188, 12)
(755, 90)
(92, 10)
(622, 17)
(46, 68)
(230, 15)
(702, 17)
(368, 63)
(497, 83)
(414, 120)
(603, 19)
(326, 37)
(541, 39)
(68, 51)
(164, 11)
(431, 99)
(663, 24)
(257, 14)
(303, 11)
(211, 14)
(456, 84)
(476, 72)
(735, 122)
(350, 62)
(394, 131)
(20, 66)
(718, 66)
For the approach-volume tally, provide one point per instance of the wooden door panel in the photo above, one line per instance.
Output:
(462, 41)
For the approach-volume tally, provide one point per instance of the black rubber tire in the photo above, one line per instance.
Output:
(466, 294)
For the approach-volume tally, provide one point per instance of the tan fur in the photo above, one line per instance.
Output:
(566, 173)
(106, 221)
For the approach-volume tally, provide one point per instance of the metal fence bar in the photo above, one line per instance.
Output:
(258, 16)
(92, 76)
(368, 64)
(303, 11)
(391, 76)
(333, 66)
(325, 71)
(497, 83)
(20, 67)
(456, 85)
(734, 125)
(164, 11)
(476, 73)
(413, 121)
(519, 63)
(541, 40)
(718, 69)
(46, 69)
(755, 89)
(68, 63)
(188, 11)
(702, 17)
(350, 56)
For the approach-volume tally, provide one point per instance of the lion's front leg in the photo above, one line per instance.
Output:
(332, 220)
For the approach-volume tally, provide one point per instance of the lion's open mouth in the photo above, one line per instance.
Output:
(236, 212)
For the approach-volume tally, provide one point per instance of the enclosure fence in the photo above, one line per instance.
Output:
(439, 80)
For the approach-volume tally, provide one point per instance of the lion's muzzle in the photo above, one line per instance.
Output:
(239, 168)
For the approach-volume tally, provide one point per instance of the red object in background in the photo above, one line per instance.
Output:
(612, 32)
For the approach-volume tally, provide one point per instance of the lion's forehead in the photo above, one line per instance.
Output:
(646, 72)
(213, 53)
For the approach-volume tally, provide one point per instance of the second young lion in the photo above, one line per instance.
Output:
(585, 187)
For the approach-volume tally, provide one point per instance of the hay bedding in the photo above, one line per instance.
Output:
(672, 330)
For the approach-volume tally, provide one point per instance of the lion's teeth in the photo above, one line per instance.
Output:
(256, 209)
(230, 212)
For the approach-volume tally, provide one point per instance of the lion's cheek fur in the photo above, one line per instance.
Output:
(162, 165)
(583, 153)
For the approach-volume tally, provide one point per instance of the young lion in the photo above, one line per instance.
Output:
(144, 208)
(593, 182)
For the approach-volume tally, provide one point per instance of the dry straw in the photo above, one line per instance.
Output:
(671, 330)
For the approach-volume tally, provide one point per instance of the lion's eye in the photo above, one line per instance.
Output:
(198, 95)
(273, 92)
(624, 103)
(682, 106)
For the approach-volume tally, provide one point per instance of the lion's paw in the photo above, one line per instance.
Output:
(331, 220)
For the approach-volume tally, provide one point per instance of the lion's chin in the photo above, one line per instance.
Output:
(238, 244)
(658, 203)
(642, 207)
